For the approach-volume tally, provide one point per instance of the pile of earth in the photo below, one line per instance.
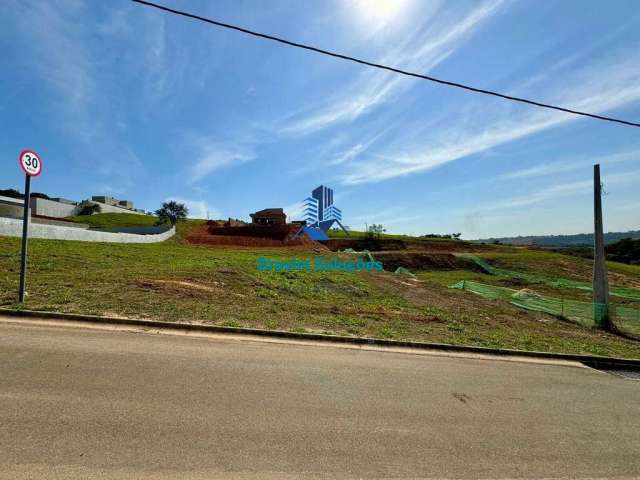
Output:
(202, 236)
(415, 261)
(389, 244)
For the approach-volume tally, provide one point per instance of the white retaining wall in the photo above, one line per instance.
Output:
(12, 201)
(49, 208)
(13, 228)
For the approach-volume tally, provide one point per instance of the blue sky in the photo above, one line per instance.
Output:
(132, 102)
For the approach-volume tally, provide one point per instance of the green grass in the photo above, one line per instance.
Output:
(550, 265)
(446, 278)
(631, 270)
(333, 233)
(544, 264)
(556, 264)
(107, 221)
(174, 281)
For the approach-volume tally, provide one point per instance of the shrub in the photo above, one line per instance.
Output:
(626, 250)
(12, 193)
(89, 208)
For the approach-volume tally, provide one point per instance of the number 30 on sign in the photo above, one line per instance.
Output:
(30, 162)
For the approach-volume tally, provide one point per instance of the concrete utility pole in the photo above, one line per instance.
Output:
(600, 282)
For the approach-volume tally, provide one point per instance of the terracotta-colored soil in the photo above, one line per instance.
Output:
(424, 261)
(201, 236)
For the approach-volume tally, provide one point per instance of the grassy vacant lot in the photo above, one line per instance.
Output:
(338, 233)
(543, 263)
(179, 282)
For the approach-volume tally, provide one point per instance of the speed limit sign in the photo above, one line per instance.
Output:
(32, 166)
(30, 163)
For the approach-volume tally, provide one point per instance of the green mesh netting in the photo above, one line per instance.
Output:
(404, 271)
(488, 291)
(363, 252)
(630, 293)
(625, 319)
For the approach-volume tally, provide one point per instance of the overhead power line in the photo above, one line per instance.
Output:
(383, 67)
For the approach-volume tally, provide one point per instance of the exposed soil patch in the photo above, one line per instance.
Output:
(485, 313)
(202, 236)
(620, 280)
(387, 313)
(515, 283)
(568, 268)
(428, 294)
(183, 288)
(425, 261)
(385, 244)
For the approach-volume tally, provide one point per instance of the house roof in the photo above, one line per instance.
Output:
(269, 212)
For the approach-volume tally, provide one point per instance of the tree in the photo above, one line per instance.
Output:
(12, 193)
(172, 212)
(626, 250)
(456, 236)
(89, 208)
(376, 230)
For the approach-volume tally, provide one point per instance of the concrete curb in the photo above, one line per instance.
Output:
(589, 360)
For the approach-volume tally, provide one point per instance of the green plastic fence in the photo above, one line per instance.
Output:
(404, 271)
(363, 252)
(630, 293)
(627, 320)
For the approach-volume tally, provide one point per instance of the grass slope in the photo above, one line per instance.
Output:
(335, 233)
(107, 221)
(178, 282)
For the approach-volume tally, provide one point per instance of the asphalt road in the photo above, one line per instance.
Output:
(84, 403)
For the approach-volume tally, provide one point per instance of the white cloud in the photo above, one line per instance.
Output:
(295, 211)
(376, 16)
(58, 37)
(374, 87)
(392, 216)
(562, 190)
(215, 159)
(356, 150)
(214, 156)
(58, 53)
(348, 154)
(592, 92)
(543, 169)
(197, 208)
(156, 71)
(554, 168)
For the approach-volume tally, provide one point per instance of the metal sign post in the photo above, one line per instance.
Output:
(32, 166)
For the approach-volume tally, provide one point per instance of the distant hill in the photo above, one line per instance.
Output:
(580, 239)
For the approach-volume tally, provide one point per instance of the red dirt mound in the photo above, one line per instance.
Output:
(202, 236)
(424, 261)
(273, 232)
